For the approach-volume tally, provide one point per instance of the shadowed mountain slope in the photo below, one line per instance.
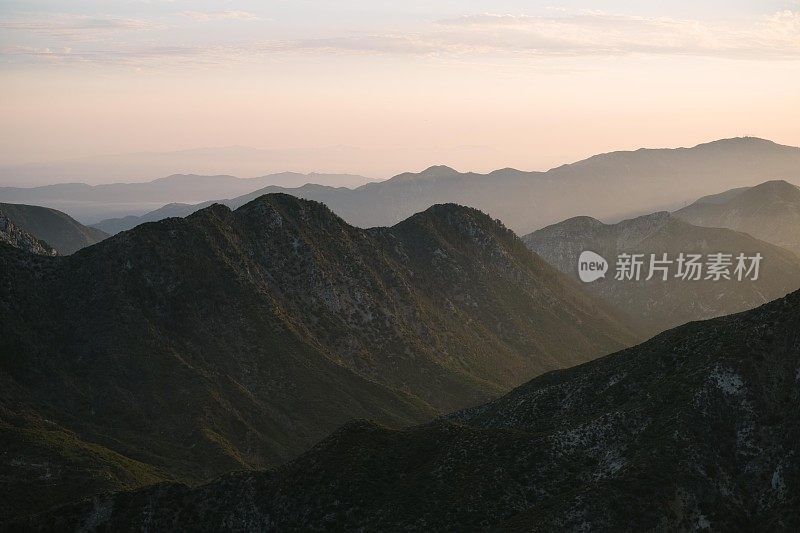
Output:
(233, 340)
(769, 211)
(13, 235)
(58, 229)
(657, 305)
(696, 429)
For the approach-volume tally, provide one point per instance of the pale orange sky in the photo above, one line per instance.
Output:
(477, 91)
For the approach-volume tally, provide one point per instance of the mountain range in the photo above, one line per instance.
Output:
(56, 229)
(656, 305)
(146, 166)
(92, 203)
(610, 186)
(232, 340)
(696, 429)
(769, 211)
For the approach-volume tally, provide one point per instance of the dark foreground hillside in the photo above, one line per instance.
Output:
(697, 429)
(225, 341)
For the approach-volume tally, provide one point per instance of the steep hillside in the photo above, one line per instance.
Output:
(658, 305)
(58, 229)
(13, 235)
(615, 185)
(233, 340)
(697, 429)
(769, 211)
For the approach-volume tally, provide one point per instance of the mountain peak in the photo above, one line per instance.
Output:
(269, 208)
(769, 211)
(580, 221)
(438, 170)
(455, 215)
(658, 216)
(738, 143)
(433, 172)
(775, 187)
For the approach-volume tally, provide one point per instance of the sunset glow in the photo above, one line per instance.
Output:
(378, 87)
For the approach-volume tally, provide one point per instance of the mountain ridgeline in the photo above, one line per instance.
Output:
(769, 211)
(192, 347)
(616, 185)
(656, 304)
(696, 429)
(92, 203)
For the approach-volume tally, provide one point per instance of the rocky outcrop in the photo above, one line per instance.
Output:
(11, 234)
(64, 233)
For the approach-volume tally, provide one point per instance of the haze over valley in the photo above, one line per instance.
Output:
(609, 187)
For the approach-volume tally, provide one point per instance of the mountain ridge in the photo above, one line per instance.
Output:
(694, 429)
(100, 201)
(232, 340)
(608, 186)
(660, 304)
(769, 211)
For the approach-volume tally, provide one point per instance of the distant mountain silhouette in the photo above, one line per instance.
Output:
(57, 229)
(146, 166)
(658, 305)
(609, 186)
(697, 429)
(769, 211)
(224, 341)
(98, 202)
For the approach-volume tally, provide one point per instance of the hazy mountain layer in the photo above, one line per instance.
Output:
(697, 429)
(146, 166)
(770, 211)
(609, 186)
(93, 203)
(233, 340)
(657, 305)
(58, 229)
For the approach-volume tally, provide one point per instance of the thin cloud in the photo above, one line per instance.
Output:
(560, 34)
(589, 33)
(599, 33)
(69, 26)
(134, 57)
(207, 16)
